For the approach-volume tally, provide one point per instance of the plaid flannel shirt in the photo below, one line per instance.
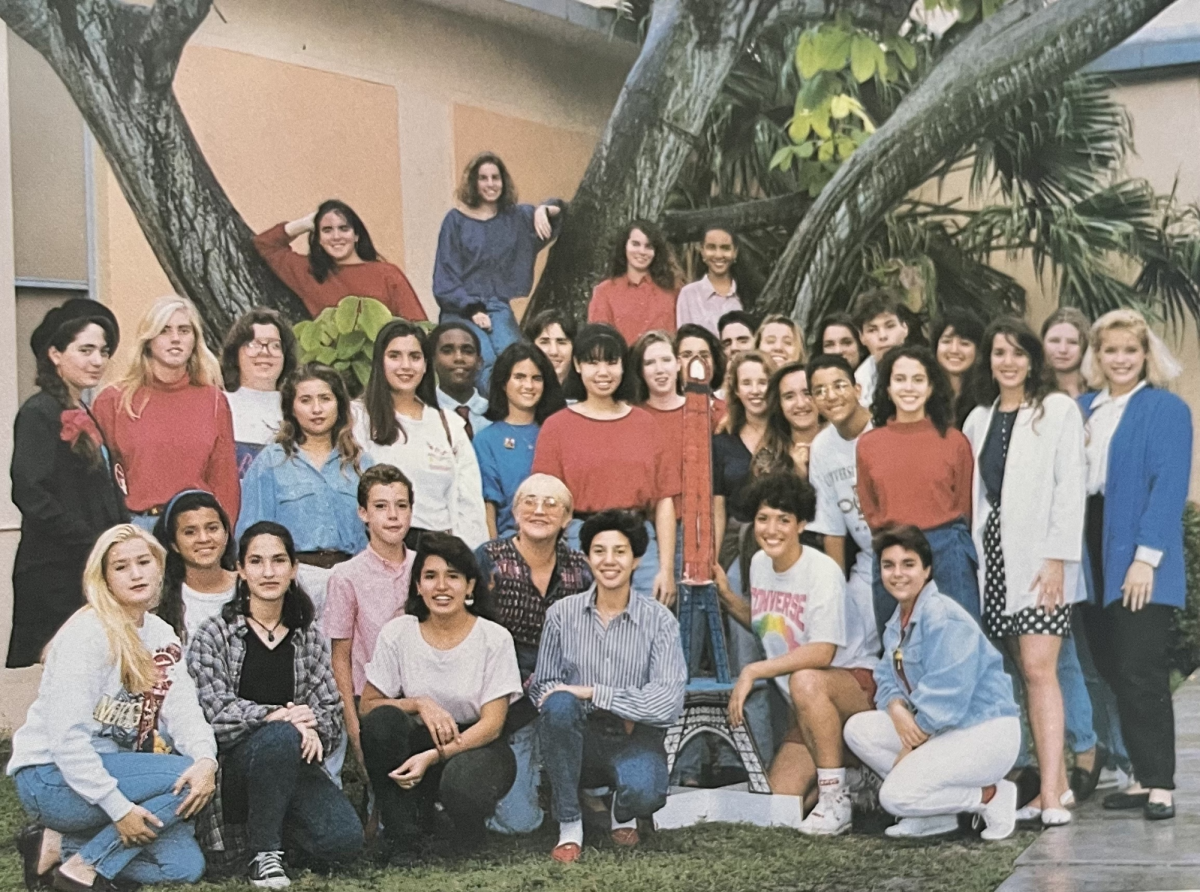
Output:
(215, 656)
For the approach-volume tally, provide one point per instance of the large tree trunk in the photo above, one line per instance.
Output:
(118, 61)
(1010, 57)
(690, 47)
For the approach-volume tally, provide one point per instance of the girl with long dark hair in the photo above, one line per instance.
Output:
(915, 468)
(837, 333)
(201, 564)
(792, 424)
(1029, 493)
(62, 474)
(610, 454)
(486, 252)
(399, 423)
(438, 689)
(307, 479)
(342, 261)
(265, 682)
(639, 294)
(525, 392)
(957, 338)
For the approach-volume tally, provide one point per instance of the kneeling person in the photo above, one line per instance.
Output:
(945, 729)
(609, 681)
(437, 694)
(798, 608)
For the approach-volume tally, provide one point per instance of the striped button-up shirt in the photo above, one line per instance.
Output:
(634, 665)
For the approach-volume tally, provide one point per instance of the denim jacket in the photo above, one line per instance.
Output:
(318, 506)
(948, 672)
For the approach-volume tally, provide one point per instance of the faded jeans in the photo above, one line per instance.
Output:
(145, 779)
(518, 812)
(593, 749)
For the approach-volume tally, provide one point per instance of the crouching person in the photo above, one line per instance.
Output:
(945, 729)
(820, 644)
(90, 765)
(609, 681)
(266, 685)
(433, 709)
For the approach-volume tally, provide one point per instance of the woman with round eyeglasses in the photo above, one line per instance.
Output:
(610, 454)
(258, 355)
(1139, 454)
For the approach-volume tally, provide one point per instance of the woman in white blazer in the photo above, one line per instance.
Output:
(1029, 494)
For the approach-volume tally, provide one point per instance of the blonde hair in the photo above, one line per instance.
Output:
(1161, 367)
(135, 663)
(203, 368)
(787, 322)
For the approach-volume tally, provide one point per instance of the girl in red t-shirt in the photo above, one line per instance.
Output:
(611, 455)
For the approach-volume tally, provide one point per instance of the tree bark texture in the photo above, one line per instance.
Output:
(118, 61)
(1005, 60)
(744, 216)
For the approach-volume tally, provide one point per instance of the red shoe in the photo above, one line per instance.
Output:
(627, 837)
(566, 853)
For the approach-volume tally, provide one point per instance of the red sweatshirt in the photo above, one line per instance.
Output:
(633, 309)
(616, 463)
(909, 473)
(181, 439)
(374, 278)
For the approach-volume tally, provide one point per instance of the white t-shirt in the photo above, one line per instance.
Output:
(806, 604)
(257, 415)
(481, 668)
(833, 472)
(865, 376)
(199, 606)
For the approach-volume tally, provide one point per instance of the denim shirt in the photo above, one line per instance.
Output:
(318, 506)
(950, 674)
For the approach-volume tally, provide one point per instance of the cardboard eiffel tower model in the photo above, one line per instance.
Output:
(705, 705)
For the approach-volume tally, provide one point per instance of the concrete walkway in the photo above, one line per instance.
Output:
(1107, 851)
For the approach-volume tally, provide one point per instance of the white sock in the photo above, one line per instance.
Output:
(831, 780)
(618, 825)
(570, 831)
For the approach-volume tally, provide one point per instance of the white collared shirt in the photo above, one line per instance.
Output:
(476, 406)
(1099, 429)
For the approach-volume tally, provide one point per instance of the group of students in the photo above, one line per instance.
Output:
(465, 580)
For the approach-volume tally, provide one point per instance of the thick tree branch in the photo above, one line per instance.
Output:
(885, 14)
(746, 216)
(1005, 60)
(170, 26)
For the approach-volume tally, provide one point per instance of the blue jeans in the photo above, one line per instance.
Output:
(288, 803)
(518, 812)
(955, 570)
(644, 572)
(504, 331)
(145, 779)
(594, 750)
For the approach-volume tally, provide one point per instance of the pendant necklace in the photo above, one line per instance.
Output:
(271, 631)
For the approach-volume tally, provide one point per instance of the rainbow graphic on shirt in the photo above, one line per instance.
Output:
(778, 620)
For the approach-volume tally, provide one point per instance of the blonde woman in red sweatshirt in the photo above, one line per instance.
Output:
(166, 418)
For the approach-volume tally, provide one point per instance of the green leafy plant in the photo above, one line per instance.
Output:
(344, 337)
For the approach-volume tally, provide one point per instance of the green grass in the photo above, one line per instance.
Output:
(711, 858)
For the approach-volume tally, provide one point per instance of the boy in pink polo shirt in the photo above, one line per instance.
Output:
(370, 589)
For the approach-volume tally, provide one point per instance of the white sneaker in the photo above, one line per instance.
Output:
(914, 828)
(1000, 815)
(831, 816)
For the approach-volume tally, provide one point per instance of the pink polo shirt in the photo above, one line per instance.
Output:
(700, 304)
(364, 594)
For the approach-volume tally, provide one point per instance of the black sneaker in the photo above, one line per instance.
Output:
(266, 871)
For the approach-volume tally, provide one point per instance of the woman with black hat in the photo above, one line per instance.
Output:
(62, 478)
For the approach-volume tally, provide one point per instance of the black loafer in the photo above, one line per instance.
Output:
(1156, 811)
(1083, 782)
(29, 844)
(1116, 801)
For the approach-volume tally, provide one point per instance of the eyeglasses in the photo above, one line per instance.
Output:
(838, 387)
(257, 348)
(545, 503)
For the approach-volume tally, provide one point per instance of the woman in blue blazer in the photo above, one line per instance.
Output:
(1139, 450)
